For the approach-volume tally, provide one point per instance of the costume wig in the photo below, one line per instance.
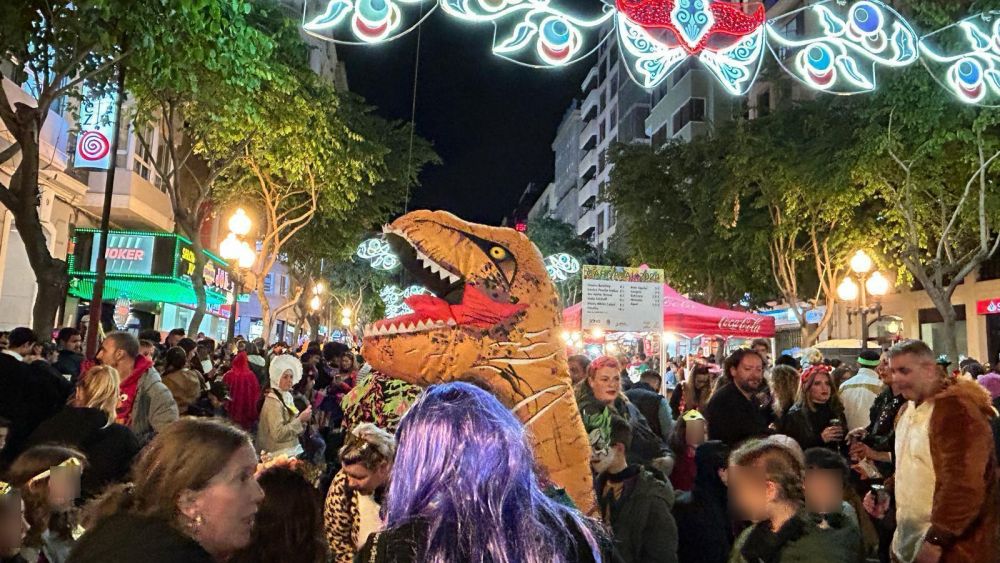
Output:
(465, 468)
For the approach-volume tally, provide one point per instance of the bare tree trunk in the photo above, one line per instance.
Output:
(198, 284)
(266, 318)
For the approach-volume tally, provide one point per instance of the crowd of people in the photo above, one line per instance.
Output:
(189, 450)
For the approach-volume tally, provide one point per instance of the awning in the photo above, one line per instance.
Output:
(691, 318)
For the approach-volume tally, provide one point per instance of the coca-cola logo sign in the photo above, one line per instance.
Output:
(745, 326)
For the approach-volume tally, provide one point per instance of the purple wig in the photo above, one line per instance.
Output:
(464, 467)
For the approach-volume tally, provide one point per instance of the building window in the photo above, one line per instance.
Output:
(693, 110)
(600, 223)
(269, 283)
(612, 217)
(604, 100)
(932, 330)
(764, 104)
(604, 131)
(283, 287)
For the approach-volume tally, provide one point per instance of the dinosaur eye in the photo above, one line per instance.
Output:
(498, 253)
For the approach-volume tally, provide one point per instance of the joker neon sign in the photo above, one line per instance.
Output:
(835, 46)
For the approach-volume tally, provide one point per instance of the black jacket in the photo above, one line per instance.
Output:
(647, 400)
(644, 529)
(404, 544)
(69, 363)
(704, 528)
(805, 426)
(109, 448)
(29, 394)
(127, 538)
(732, 418)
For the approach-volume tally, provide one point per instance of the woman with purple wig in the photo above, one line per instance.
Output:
(464, 489)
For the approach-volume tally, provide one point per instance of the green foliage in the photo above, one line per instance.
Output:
(674, 213)
(553, 236)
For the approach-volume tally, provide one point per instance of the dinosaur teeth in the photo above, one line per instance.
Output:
(453, 278)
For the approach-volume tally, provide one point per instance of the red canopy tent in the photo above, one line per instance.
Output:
(691, 318)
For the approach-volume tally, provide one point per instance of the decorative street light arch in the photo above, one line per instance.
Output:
(831, 46)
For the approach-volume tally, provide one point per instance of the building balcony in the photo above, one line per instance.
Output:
(136, 203)
(589, 193)
(587, 225)
(588, 164)
(590, 82)
(588, 139)
(590, 106)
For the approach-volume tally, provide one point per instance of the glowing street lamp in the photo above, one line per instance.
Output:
(872, 284)
(240, 255)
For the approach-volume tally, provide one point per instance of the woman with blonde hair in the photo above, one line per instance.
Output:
(784, 388)
(88, 425)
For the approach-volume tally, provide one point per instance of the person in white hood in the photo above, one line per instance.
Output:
(281, 424)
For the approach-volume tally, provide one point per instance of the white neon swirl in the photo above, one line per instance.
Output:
(850, 53)
(519, 25)
(649, 62)
(736, 67)
(561, 266)
(974, 74)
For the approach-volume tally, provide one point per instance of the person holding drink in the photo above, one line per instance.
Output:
(816, 419)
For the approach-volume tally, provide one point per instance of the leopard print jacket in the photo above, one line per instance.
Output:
(341, 520)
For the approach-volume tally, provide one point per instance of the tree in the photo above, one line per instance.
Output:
(818, 214)
(933, 162)
(308, 162)
(674, 214)
(198, 92)
(553, 236)
(54, 48)
(322, 249)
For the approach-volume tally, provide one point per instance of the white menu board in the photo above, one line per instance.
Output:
(623, 299)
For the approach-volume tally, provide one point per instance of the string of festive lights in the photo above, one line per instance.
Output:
(832, 46)
(379, 254)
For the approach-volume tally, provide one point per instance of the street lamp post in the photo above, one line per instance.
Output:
(241, 256)
(872, 284)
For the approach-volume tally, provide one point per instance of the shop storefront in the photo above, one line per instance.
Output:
(152, 271)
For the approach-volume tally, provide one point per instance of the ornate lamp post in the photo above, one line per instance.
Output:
(872, 284)
(241, 256)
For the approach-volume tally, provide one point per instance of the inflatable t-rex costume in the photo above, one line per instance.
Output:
(492, 319)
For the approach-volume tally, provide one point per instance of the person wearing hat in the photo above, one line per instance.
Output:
(281, 422)
(690, 432)
(858, 393)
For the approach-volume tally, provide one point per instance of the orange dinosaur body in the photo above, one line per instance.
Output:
(492, 320)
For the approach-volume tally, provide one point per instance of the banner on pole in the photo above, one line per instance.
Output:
(97, 123)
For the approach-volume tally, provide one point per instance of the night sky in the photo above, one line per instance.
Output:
(491, 121)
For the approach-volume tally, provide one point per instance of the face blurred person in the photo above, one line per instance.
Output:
(765, 483)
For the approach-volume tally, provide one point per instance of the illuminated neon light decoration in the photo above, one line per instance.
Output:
(844, 57)
(368, 21)
(561, 267)
(974, 74)
(394, 299)
(835, 46)
(535, 32)
(379, 254)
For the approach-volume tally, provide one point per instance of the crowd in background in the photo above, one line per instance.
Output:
(185, 449)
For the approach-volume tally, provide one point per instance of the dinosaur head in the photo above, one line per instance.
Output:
(491, 317)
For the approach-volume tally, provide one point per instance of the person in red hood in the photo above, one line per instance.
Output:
(244, 391)
(146, 405)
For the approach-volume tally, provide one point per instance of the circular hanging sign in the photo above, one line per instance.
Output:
(123, 308)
